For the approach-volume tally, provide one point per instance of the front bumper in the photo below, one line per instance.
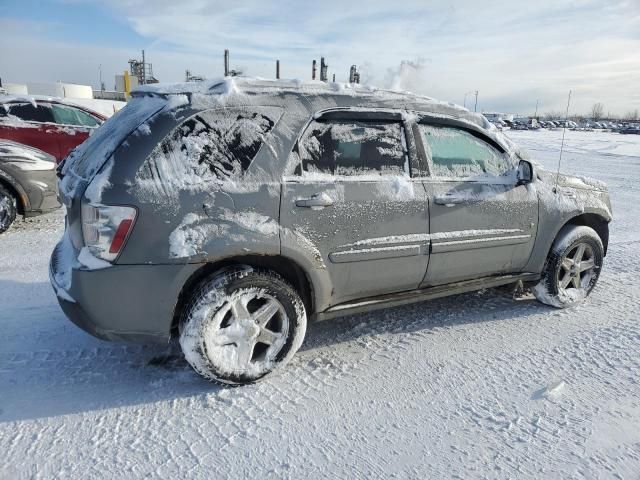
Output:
(121, 303)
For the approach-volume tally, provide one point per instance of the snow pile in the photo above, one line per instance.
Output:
(192, 234)
(90, 262)
(100, 182)
(63, 261)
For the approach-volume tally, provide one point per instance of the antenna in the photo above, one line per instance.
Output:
(564, 129)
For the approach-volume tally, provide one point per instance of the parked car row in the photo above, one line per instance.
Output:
(36, 133)
(587, 126)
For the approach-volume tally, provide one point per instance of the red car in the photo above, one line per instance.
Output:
(51, 125)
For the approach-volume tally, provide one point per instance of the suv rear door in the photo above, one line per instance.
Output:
(353, 201)
(482, 222)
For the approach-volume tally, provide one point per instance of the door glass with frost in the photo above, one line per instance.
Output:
(453, 152)
(353, 148)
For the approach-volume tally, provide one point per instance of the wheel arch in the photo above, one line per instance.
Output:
(22, 201)
(595, 221)
(288, 269)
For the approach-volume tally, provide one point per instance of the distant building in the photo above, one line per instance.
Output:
(497, 116)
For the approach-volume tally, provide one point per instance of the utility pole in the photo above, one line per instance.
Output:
(475, 107)
(313, 70)
(277, 69)
(226, 62)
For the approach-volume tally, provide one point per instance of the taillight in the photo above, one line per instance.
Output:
(105, 228)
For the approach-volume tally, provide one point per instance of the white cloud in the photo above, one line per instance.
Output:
(512, 52)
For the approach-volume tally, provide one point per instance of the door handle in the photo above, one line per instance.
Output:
(451, 200)
(317, 201)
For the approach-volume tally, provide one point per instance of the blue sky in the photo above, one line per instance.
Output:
(514, 52)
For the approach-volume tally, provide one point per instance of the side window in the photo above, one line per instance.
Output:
(85, 119)
(64, 115)
(457, 153)
(348, 148)
(30, 113)
(215, 144)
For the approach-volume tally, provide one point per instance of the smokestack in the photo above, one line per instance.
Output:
(334, 78)
(354, 76)
(277, 69)
(144, 69)
(313, 70)
(323, 70)
(226, 62)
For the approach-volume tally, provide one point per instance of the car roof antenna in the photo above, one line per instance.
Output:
(564, 129)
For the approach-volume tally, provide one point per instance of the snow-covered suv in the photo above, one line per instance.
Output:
(230, 212)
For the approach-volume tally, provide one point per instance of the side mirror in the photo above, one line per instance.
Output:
(525, 172)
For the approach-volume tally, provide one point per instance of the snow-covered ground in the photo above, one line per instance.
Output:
(474, 386)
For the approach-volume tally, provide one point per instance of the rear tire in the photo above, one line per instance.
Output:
(241, 324)
(8, 209)
(572, 267)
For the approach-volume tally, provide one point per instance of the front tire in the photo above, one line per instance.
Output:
(241, 324)
(572, 267)
(8, 209)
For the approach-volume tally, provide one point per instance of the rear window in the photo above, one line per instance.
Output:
(214, 145)
(88, 158)
(30, 113)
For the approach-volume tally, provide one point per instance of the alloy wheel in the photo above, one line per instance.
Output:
(577, 269)
(248, 331)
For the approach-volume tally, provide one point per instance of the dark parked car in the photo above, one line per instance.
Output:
(28, 182)
(51, 125)
(228, 212)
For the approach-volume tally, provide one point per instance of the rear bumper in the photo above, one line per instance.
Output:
(121, 303)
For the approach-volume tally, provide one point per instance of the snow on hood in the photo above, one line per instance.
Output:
(13, 150)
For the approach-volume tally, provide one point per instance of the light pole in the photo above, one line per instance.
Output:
(464, 102)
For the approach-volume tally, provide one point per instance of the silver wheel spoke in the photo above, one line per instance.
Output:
(245, 352)
(223, 338)
(565, 280)
(268, 337)
(265, 313)
(586, 265)
(579, 253)
(239, 309)
(576, 281)
(567, 263)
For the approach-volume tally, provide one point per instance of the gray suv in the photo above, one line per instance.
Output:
(228, 213)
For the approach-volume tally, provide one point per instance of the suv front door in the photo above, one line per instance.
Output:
(352, 201)
(482, 222)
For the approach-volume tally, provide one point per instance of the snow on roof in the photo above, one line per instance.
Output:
(238, 85)
(33, 99)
